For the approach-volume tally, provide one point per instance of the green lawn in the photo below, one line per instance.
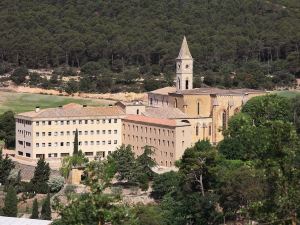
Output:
(288, 94)
(22, 102)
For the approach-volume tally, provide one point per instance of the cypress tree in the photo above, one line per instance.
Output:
(75, 150)
(46, 209)
(35, 210)
(11, 203)
(41, 176)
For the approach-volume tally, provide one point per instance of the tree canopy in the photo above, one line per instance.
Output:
(234, 43)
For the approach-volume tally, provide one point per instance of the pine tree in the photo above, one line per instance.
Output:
(46, 209)
(35, 210)
(75, 150)
(11, 203)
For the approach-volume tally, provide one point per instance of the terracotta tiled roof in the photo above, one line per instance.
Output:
(218, 91)
(164, 91)
(165, 113)
(151, 120)
(74, 110)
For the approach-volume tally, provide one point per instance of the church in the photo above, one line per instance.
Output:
(174, 119)
(207, 109)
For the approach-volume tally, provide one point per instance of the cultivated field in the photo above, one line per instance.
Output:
(22, 102)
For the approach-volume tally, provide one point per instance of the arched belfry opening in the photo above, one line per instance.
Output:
(187, 84)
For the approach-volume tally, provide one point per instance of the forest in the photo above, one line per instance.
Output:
(235, 43)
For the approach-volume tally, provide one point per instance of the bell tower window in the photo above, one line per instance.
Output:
(187, 84)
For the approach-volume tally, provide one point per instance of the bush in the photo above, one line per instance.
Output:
(70, 189)
(56, 183)
(19, 75)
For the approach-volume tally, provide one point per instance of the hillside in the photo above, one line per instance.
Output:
(234, 42)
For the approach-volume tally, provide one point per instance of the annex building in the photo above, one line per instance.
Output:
(173, 120)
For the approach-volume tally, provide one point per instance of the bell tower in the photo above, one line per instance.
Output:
(184, 68)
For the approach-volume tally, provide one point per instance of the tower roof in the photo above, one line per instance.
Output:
(184, 51)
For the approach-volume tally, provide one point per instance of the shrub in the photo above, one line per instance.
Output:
(70, 189)
(56, 183)
(19, 75)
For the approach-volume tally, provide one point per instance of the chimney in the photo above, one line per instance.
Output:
(37, 109)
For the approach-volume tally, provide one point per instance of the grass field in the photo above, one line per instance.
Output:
(22, 102)
(287, 94)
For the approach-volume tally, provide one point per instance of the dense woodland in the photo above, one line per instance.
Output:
(235, 43)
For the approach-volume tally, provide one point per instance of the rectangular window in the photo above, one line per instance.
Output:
(86, 132)
(68, 133)
(74, 121)
(61, 133)
(61, 144)
(103, 131)
(86, 121)
(49, 155)
(86, 143)
(55, 144)
(55, 133)
(115, 142)
(98, 121)
(115, 131)
(103, 121)
(115, 120)
(20, 153)
(62, 122)
(37, 145)
(109, 131)
(49, 133)
(28, 155)
(92, 121)
(92, 132)
(28, 144)
(37, 123)
(101, 154)
(89, 153)
(64, 154)
(80, 121)
(92, 142)
(103, 142)
(98, 143)
(98, 131)
(80, 132)
(43, 145)
(43, 134)
(109, 142)
(109, 120)
(37, 134)
(55, 122)
(43, 123)
(68, 122)
(49, 144)
(49, 122)
(68, 143)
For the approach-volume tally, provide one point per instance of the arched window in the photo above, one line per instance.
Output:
(137, 111)
(176, 103)
(187, 84)
(179, 84)
(198, 108)
(197, 130)
(224, 120)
